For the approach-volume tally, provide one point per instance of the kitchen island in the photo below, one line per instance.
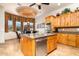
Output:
(38, 44)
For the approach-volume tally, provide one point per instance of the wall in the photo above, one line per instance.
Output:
(2, 40)
(4, 35)
(40, 19)
(10, 35)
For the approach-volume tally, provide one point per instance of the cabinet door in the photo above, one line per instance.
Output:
(62, 38)
(62, 20)
(69, 19)
(59, 38)
(55, 22)
(51, 43)
(73, 19)
(72, 39)
(58, 21)
(77, 41)
(77, 19)
(71, 43)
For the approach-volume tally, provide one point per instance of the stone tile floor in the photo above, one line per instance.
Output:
(12, 48)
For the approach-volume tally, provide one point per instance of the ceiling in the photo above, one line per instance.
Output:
(11, 7)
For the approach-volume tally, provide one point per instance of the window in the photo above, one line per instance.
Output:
(10, 25)
(18, 25)
(28, 25)
(31, 26)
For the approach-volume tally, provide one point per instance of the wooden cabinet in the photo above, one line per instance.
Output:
(68, 39)
(62, 38)
(51, 43)
(77, 18)
(54, 22)
(58, 22)
(49, 19)
(73, 19)
(62, 20)
(65, 20)
(72, 39)
(27, 46)
(77, 41)
(30, 47)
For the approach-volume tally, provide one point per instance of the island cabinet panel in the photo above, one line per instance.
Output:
(27, 46)
(77, 41)
(51, 43)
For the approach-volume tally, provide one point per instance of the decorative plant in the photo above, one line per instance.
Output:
(66, 10)
(77, 9)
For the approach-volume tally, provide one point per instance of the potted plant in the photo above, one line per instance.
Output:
(66, 10)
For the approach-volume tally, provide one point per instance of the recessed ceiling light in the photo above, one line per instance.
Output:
(59, 4)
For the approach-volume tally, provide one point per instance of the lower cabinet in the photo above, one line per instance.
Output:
(72, 39)
(77, 44)
(51, 43)
(71, 43)
(68, 39)
(62, 38)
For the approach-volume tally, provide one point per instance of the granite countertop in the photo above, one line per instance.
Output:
(37, 36)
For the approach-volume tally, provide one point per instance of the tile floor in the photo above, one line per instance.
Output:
(12, 48)
(64, 50)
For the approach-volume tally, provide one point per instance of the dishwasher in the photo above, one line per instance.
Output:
(41, 46)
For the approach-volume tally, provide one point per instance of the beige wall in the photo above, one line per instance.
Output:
(2, 40)
(10, 35)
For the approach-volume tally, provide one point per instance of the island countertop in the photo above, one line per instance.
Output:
(37, 36)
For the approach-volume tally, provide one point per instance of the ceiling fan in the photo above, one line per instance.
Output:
(39, 6)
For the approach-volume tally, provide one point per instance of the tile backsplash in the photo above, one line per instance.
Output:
(68, 30)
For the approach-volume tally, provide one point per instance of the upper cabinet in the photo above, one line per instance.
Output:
(50, 19)
(64, 20)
